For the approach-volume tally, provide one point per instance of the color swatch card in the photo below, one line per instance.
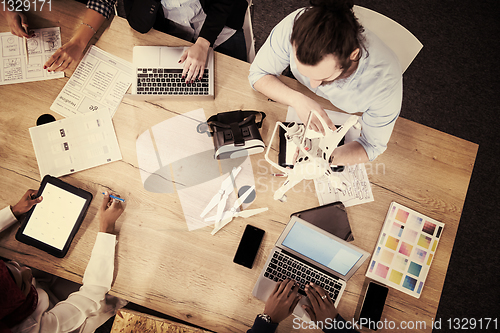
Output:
(405, 249)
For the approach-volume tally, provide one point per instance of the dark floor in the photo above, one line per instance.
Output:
(452, 86)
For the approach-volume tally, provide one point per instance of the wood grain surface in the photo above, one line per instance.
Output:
(190, 274)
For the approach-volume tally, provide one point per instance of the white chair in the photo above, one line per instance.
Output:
(248, 31)
(395, 36)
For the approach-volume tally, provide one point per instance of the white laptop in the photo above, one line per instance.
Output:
(159, 75)
(306, 253)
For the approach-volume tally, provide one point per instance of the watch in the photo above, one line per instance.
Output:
(265, 317)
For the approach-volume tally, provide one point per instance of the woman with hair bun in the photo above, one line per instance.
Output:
(330, 53)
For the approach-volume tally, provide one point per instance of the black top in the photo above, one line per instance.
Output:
(261, 326)
(222, 13)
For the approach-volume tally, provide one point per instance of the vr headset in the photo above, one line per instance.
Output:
(236, 134)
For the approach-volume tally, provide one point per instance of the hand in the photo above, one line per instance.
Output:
(304, 105)
(27, 201)
(322, 304)
(282, 301)
(194, 59)
(17, 22)
(66, 56)
(110, 211)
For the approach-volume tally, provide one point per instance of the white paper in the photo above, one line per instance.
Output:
(14, 68)
(54, 218)
(354, 187)
(75, 144)
(99, 82)
(354, 184)
(174, 156)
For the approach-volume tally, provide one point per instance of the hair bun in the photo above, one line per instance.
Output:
(333, 5)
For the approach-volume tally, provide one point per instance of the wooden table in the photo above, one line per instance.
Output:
(190, 274)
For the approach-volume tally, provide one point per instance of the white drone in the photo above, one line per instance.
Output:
(314, 151)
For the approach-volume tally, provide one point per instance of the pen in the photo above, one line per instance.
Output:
(26, 50)
(25, 40)
(113, 197)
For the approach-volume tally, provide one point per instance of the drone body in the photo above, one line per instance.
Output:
(314, 152)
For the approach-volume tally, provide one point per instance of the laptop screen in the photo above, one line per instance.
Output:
(321, 248)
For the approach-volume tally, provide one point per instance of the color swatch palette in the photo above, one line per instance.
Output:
(405, 249)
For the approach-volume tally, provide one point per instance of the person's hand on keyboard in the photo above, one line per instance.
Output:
(282, 301)
(194, 59)
(322, 304)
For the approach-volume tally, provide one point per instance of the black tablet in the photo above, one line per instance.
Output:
(52, 224)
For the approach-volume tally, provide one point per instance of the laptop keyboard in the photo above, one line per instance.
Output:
(168, 81)
(282, 266)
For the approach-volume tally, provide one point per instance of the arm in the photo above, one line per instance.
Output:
(350, 153)
(17, 21)
(261, 326)
(279, 306)
(217, 16)
(322, 309)
(276, 90)
(195, 57)
(10, 215)
(377, 123)
(72, 313)
(69, 54)
(273, 57)
(7, 218)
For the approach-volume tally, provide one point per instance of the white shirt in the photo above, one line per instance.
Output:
(189, 16)
(375, 88)
(84, 310)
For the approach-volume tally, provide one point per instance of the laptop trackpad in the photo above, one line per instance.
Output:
(299, 312)
(170, 57)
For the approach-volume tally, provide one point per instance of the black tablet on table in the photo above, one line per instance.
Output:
(52, 224)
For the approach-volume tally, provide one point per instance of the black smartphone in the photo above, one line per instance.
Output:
(373, 305)
(249, 245)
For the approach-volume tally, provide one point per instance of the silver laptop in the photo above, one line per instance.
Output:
(306, 253)
(159, 75)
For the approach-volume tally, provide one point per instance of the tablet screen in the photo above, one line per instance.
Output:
(53, 219)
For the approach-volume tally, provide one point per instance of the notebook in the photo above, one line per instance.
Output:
(405, 249)
(306, 253)
(159, 75)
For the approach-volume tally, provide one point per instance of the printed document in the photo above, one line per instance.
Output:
(74, 144)
(14, 68)
(99, 82)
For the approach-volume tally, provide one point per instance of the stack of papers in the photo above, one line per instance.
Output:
(75, 144)
(99, 82)
(14, 68)
(86, 138)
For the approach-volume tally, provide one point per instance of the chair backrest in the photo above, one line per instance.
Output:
(248, 31)
(395, 36)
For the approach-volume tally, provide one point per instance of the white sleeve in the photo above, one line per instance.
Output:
(7, 218)
(377, 123)
(274, 55)
(71, 314)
